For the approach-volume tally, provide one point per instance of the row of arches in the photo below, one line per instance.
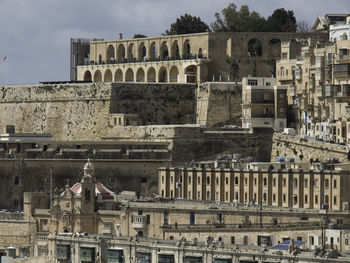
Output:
(151, 75)
(126, 52)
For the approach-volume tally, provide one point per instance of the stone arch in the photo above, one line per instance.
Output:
(174, 74)
(110, 54)
(121, 53)
(118, 75)
(175, 53)
(140, 75)
(162, 75)
(153, 51)
(191, 74)
(129, 75)
(87, 76)
(131, 52)
(108, 76)
(275, 47)
(187, 49)
(151, 75)
(164, 51)
(97, 76)
(142, 52)
(100, 61)
(254, 47)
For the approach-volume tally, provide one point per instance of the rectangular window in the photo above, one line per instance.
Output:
(199, 180)
(306, 183)
(335, 200)
(192, 218)
(245, 180)
(226, 196)
(232, 240)
(189, 179)
(171, 179)
(306, 199)
(284, 55)
(284, 181)
(162, 179)
(284, 198)
(335, 184)
(252, 82)
(346, 241)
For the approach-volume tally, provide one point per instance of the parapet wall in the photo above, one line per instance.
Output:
(306, 149)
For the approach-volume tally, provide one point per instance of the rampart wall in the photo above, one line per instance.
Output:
(219, 103)
(306, 149)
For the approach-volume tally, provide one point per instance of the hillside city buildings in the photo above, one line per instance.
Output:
(209, 147)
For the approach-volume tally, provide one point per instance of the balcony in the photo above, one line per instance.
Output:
(138, 221)
(42, 236)
(343, 58)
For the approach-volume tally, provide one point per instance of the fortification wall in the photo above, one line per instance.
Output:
(305, 149)
(219, 103)
(80, 112)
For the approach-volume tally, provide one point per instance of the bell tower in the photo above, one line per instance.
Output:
(88, 201)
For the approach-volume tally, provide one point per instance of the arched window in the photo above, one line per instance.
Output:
(118, 75)
(140, 75)
(129, 75)
(175, 53)
(187, 49)
(174, 74)
(121, 53)
(164, 51)
(254, 48)
(151, 75)
(100, 59)
(191, 74)
(131, 52)
(110, 54)
(142, 52)
(87, 76)
(162, 75)
(97, 76)
(153, 52)
(108, 76)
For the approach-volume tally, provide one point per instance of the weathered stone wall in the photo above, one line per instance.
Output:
(219, 103)
(68, 112)
(305, 149)
(80, 112)
(155, 103)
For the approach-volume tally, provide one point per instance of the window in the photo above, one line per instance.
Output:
(236, 180)
(326, 183)
(232, 240)
(326, 199)
(295, 182)
(335, 200)
(199, 180)
(208, 195)
(16, 180)
(316, 199)
(306, 183)
(245, 197)
(189, 195)
(171, 193)
(265, 181)
(274, 181)
(284, 181)
(274, 197)
(264, 197)
(245, 240)
(189, 179)
(305, 200)
(217, 180)
(162, 193)
(284, 198)
(335, 184)
(226, 180)
(254, 181)
(166, 218)
(208, 180)
(245, 180)
(226, 194)
(284, 55)
(171, 179)
(346, 241)
(162, 179)
(255, 196)
(252, 82)
(198, 195)
(192, 218)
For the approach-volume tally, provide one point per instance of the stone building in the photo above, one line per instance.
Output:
(274, 184)
(190, 58)
(264, 105)
(317, 76)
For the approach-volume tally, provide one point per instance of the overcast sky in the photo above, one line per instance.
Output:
(35, 34)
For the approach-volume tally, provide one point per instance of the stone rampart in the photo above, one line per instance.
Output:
(303, 149)
(219, 103)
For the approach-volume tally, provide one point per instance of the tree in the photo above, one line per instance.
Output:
(187, 24)
(303, 27)
(238, 21)
(139, 36)
(282, 21)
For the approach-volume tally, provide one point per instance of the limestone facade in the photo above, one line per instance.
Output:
(190, 58)
(258, 183)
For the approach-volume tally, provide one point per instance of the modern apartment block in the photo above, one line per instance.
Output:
(264, 105)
